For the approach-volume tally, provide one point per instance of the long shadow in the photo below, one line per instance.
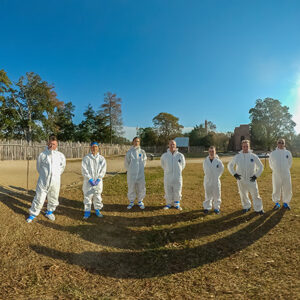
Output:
(10, 199)
(115, 231)
(123, 208)
(153, 263)
(19, 201)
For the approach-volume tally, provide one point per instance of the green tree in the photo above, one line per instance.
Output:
(199, 132)
(112, 110)
(269, 121)
(30, 107)
(94, 127)
(85, 131)
(8, 115)
(148, 136)
(167, 127)
(64, 122)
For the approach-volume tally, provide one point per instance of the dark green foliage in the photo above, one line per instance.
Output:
(270, 120)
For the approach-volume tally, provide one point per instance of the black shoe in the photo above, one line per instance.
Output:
(261, 212)
(206, 211)
(245, 210)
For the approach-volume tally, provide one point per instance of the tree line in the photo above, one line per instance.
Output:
(269, 121)
(30, 110)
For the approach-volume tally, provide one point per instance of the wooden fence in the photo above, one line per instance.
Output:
(21, 150)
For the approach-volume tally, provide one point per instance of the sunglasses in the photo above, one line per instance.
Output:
(280, 143)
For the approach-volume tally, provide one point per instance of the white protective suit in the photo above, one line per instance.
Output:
(50, 165)
(173, 165)
(212, 184)
(93, 167)
(280, 162)
(135, 161)
(247, 165)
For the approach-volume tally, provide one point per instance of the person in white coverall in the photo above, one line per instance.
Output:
(173, 163)
(135, 162)
(246, 167)
(50, 165)
(93, 170)
(213, 169)
(280, 162)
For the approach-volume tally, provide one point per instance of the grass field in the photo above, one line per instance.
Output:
(152, 254)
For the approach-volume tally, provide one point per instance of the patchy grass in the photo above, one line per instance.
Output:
(151, 254)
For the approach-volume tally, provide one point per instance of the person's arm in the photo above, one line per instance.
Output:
(127, 160)
(290, 159)
(204, 166)
(38, 163)
(62, 164)
(260, 166)
(102, 169)
(183, 161)
(221, 167)
(231, 165)
(162, 161)
(85, 170)
(271, 161)
(144, 158)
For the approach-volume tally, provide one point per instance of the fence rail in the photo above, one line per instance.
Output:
(22, 150)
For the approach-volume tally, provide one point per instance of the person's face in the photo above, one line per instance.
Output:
(280, 144)
(52, 145)
(136, 143)
(172, 146)
(245, 147)
(94, 149)
(212, 153)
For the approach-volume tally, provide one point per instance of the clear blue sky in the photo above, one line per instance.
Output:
(194, 59)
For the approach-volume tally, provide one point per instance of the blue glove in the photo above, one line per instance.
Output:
(96, 182)
(91, 181)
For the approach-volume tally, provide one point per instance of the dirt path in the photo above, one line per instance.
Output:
(13, 173)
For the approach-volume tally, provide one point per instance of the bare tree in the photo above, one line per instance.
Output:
(112, 109)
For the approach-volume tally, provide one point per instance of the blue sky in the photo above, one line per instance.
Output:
(194, 59)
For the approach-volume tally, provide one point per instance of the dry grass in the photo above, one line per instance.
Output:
(151, 254)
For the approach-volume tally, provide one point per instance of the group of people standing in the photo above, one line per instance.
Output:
(245, 166)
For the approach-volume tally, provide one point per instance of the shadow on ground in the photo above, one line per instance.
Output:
(161, 262)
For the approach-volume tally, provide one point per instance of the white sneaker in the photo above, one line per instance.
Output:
(167, 207)
(50, 215)
(141, 205)
(131, 204)
(30, 219)
(178, 207)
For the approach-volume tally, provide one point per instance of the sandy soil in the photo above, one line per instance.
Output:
(14, 173)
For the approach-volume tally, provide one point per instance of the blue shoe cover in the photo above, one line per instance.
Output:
(87, 214)
(98, 213)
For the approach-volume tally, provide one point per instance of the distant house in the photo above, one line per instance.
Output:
(182, 144)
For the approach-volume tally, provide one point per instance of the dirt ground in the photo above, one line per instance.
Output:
(14, 173)
(153, 253)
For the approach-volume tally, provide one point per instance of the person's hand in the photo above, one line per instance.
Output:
(91, 181)
(96, 182)
(237, 176)
(253, 178)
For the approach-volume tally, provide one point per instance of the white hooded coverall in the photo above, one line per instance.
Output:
(173, 165)
(247, 165)
(93, 167)
(280, 162)
(50, 165)
(212, 184)
(135, 162)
